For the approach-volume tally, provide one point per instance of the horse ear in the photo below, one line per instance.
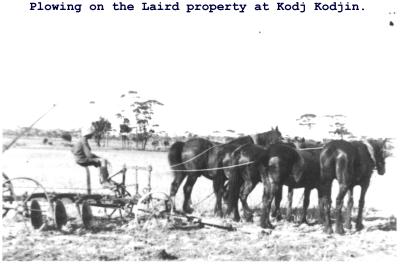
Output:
(272, 128)
(303, 140)
(276, 128)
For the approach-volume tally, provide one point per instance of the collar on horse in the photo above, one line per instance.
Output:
(254, 138)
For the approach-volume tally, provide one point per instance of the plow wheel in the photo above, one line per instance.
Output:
(152, 206)
(60, 214)
(36, 214)
(87, 215)
(25, 199)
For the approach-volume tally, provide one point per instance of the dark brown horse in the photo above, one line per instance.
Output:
(310, 152)
(273, 166)
(351, 163)
(200, 157)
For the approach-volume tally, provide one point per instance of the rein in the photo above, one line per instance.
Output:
(211, 169)
(202, 153)
(196, 156)
(310, 148)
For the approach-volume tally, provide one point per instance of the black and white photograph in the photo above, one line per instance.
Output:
(200, 130)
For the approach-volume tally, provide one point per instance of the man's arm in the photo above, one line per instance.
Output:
(87, 150)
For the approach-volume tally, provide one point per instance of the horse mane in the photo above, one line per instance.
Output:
(370, 148)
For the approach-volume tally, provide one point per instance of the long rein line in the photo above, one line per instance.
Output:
(196, 156)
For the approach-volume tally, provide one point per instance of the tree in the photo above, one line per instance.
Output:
(155, 143)
(101, 127)
(142, 112)
(66, 136)
(338, 125)
(124, 130)
(307, 120)
(341, 130)
(166, 143)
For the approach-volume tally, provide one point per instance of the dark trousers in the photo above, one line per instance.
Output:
(90, 162)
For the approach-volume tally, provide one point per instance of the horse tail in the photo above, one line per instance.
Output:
(334, 163)
(342, 169)
(298, 166)
(175, 154)
(177, 167)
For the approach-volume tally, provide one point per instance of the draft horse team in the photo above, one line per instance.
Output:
(238, 166)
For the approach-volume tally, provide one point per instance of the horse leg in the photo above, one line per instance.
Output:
(251, 178)
(178, 178)
(187, 189)
(306, 203)
(339, 204)
(326, 204)
(218, 185)
(320, 207)
(359, 225)
(350, 203)
(270, 189)
(289, 216)
(234, 186)
(276, 212)
(247, 187)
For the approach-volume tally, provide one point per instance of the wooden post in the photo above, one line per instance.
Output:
(88, 185)
(150, 168)
(123, 174)
(136, 181)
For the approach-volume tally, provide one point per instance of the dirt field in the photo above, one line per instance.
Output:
(55, 169)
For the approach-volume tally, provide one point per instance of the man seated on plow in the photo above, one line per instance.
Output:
(85, 158)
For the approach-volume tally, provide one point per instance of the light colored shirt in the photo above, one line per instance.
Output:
(82, 151)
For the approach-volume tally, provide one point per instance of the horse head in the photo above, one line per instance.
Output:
(274, 135)
(379, 149)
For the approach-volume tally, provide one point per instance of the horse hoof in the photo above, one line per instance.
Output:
(219, 214)
(289, 219)
(328, 230)
(359, 227)
(188, 210)
(339, 230)
(304, 221)
(267, 226)
(348, 226)
(248, 218)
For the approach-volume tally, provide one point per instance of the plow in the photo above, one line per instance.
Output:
(27, 199)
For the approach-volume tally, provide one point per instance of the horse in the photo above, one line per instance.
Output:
(309, 181)
(351, 163)
(310, 152)
(272, 166)
(200, 157)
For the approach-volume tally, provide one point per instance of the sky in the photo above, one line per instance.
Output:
(213, 72)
